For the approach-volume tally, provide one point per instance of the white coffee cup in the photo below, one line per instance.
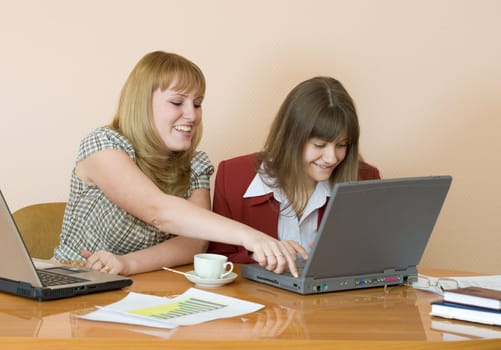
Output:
(213, 266)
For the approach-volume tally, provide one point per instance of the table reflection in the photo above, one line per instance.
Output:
(380, 314)
(390, 315)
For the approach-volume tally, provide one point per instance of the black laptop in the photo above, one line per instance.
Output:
(373, 233)
(44, 280)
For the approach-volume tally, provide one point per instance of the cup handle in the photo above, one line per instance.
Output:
(228, 270)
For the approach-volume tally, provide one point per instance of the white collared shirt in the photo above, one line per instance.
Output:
(304, 230)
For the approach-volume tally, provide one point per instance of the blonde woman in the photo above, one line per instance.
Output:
(139, 196)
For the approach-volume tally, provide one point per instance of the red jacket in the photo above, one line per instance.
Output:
(232, 180)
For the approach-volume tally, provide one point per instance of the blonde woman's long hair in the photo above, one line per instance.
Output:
(319, 107)
(169, 170)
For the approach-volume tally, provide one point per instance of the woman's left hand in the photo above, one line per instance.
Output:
(105, 261)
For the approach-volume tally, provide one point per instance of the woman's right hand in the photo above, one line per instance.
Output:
(274, 255)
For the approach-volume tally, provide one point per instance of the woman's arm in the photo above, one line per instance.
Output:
(172, 252)
(124, 184)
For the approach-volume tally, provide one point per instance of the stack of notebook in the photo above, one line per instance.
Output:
(473, 304)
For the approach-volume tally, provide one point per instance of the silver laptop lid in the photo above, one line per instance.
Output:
(376, 225)
(15, 261)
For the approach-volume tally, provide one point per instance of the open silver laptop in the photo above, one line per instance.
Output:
(373, 233)
(19, 275)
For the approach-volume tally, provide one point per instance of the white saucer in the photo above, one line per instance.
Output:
(209, 282)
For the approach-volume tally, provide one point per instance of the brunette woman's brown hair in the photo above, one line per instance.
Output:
(319, 107)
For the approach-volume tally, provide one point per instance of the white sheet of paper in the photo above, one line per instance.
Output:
(192, 307)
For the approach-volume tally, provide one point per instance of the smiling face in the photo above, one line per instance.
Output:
(321, 157)
(176, 116)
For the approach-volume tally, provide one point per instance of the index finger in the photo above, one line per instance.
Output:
(291, 262)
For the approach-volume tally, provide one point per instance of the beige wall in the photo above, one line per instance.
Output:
(426, 77)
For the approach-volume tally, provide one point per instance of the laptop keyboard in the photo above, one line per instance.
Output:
(56, 279)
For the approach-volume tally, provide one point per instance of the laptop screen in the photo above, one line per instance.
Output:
(377, 225)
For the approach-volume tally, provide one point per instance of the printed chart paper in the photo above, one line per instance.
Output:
(192, 307)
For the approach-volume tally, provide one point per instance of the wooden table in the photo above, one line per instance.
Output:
(358, 319)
